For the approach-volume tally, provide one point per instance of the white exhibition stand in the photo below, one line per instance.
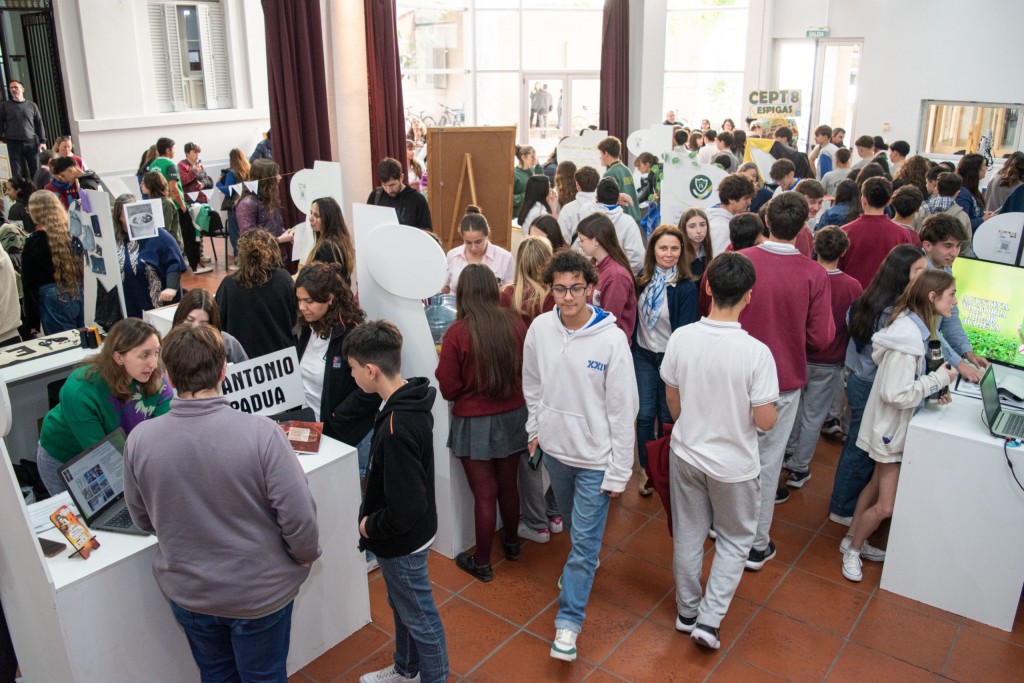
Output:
(957, 537)
(105, 619)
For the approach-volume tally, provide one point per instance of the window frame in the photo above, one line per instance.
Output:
(924, 145)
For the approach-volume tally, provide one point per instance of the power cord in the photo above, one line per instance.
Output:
(1006, 453)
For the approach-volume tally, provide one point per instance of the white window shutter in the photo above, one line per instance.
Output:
(158, 51)
(216, 71)
(177, 75)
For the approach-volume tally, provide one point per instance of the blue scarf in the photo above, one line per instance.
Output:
(654, 296)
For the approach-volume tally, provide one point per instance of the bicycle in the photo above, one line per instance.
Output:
(451, 117)
(424, 118)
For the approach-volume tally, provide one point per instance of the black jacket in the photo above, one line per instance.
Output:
(346, 410)
(399, 500)
(410, 205)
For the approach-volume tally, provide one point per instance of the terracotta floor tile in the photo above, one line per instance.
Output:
(1016, 636)
(516, 593)
(905, 634)
(823, 558)
(757, 586)
(827, 453)
(926, 610)
(444, 573)
(859, 664)
(736, 619)
(602, 676)
(654, 653)
(787, 647)
(651, 543)
(789, 539)
(632, 583)
(805, 509)
(834, 529)
(605, 628)
(471, 633)
(298, 677)
(814, 600)
(382, 658)
(822, 479)
(977, 657)
(527, 658)
(347, 654)
(735, 669)
(622, 523)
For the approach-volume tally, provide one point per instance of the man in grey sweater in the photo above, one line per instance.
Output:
(21, 127)
(230, 505)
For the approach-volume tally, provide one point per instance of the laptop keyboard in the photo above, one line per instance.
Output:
(122, 520)
(1014, 424)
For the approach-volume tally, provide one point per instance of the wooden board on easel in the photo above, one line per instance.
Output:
(471, 165)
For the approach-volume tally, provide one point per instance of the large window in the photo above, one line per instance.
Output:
(189, 55)
(954, 127)
(705, 52)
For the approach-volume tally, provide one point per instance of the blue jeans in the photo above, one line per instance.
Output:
(227, 649)
(233, 231)
(363, 453)
(855, 466)
(57, 315)
(419, 636)
(585, 511)
(653, 404)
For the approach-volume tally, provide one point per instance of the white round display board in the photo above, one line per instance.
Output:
(405, 261)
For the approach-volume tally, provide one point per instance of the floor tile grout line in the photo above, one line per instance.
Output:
(366, 658)
(952, 647)
(519, 629)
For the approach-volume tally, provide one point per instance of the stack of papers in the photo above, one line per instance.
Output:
(40, 512)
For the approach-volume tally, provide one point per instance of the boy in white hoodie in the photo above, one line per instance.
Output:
(735, 193)
(581, 395)
(569, 217)
(626, 229)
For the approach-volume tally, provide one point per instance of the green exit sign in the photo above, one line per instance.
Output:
(817, 33)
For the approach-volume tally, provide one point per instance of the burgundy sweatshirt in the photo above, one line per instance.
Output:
(845, 291)
(871, 240)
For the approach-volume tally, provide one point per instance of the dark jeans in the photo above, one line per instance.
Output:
(653, 404)
(228, 650)
(24, 156)
(419, 635)
(233, 231)
(58, 311)
(855, 466)
(188, 236)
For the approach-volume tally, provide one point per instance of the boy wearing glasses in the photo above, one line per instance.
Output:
(581, 395)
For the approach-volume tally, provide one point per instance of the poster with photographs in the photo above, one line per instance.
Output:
(143, 219)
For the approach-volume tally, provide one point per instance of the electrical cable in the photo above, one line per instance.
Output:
(1006, 453)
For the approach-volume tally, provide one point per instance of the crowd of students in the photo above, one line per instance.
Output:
(595, 340)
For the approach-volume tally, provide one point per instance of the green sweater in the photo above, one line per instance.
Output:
(519, 185)
(624, 178)
(88, 411)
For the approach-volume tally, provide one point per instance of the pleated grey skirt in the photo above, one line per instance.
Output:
(488, 437)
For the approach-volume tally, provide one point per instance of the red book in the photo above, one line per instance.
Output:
(304, 437)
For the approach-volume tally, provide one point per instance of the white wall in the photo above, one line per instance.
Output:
(108, 83)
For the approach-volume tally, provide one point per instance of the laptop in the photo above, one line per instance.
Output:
(95, 480)
(1002, 423)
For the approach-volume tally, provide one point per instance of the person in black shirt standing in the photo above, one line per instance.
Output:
(21, 127)
(410, 205)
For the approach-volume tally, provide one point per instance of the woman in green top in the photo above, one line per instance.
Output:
(528, 166)
(120, 386)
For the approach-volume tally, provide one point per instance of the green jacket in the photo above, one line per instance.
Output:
(624, 178)
(519, 186)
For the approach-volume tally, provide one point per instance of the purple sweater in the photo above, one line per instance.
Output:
(228, 500)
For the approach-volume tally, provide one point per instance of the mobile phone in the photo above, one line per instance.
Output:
(51, 548)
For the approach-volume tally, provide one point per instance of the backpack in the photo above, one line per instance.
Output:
(12, 239)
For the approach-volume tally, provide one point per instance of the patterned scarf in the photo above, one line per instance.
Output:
(654, 296)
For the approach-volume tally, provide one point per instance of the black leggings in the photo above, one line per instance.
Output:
(188, 236)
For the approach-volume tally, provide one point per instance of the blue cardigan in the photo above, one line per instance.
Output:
(682, 306)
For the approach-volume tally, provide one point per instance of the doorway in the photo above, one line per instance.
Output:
(556, 106)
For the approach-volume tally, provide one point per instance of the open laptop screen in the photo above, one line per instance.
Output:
(990, 396)
(95, 478)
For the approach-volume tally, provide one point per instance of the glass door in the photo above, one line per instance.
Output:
(584, 103)
(541, 119)
(837, 74)
(794, 70)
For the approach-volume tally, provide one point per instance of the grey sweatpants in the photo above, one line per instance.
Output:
(815, 402)
(536, 503)
(772, 447)
(696, 500)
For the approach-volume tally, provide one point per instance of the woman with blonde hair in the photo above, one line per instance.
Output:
(52, 269)
(237, 172)
(257, 304)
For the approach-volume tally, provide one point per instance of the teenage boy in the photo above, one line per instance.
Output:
(814, 192)
(723, 142)
(569, 216)
(410, 205)
(947, 187)
(69, 178)
(838, 174)
(931, 180)
(626, 229)
(825, 367)
(168, 168)
(825, 152)
(727, 382)
(237, 533)
(746, 230)
(898, 153)
(865, 148)
(872, 235)
(398, 516)
(783, 175)
(785, 149)
(710, 149)
(610, 150)
(735, 193)
(582, 401)
(790, 312)
(941, 237)
(906, 202)
(880, 149)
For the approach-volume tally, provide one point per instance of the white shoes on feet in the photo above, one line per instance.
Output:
(852, 566)
(387, 675)
(867, 551)
(535, 535)
(564, 646)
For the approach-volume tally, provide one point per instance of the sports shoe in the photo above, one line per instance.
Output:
(757, 558)
(205, 260)
(685, 624)
(867, 551)
(706, 636)
(202, 270)
(839, 519)
(564, 646)
(535, 535)
(796, 480)
(781, 495)
(467, 563)
(388, 675)
(556, 525)
(851, 565)
(645, 486)
(831, 427)
(712, 534)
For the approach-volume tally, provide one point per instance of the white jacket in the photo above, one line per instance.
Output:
(626, 230)
(569, 215)
(581, 395)
(899, 387)
(718, 226)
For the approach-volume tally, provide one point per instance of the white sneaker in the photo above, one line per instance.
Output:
(556, 525)
(712, 534)
(535, 535)
(839, 519)
(851, 565)
(564, 647)
(202, 269)
(388, 675)
(867, 551)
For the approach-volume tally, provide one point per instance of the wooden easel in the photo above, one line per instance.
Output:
(465, 172)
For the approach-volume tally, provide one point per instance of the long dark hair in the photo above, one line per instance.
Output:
(972, 168)
(492, 331)
(537, 188)
(882, 292)
(265, 172)
(321, 280)
(599, 227)
(334, 233)
(548, 224)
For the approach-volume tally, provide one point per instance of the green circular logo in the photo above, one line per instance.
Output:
(700, 187)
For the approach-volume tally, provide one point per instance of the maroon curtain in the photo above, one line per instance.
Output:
(384, 77)
(614, 115)
(300, 132)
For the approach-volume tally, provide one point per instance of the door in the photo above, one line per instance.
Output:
(555, 106)
(837, 74)
(45, 73)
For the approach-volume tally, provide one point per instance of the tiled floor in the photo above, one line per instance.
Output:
(797, 619)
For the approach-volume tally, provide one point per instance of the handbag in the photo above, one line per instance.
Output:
(204, 180)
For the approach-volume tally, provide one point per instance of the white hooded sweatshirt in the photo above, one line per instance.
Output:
(899, 387)
(569, 215)
(581, 395)
(626, 230)
(718, 226)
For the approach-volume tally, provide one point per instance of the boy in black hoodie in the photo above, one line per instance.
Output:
(398, 517)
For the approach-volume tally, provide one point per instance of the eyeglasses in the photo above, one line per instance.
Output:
(577, 290)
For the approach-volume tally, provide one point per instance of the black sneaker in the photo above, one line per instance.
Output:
(798, 479)
(512, 550)
(685, 624)
(831, 427)
(781, 495)
(706, 636)
(757, 558)
(466, 563)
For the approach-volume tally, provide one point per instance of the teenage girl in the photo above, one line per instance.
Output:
(333, 239)
(536, 201)
(616, 289)
(697, 251)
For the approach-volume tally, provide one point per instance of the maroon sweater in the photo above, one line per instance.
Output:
(616, 293)
(790, 309)
(871, 240)
(845, 291)
(456, 374)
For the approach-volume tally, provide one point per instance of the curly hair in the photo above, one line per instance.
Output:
(321, 281)
(914, 171)
(258, 257)
(265, 172)
(50, 216)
